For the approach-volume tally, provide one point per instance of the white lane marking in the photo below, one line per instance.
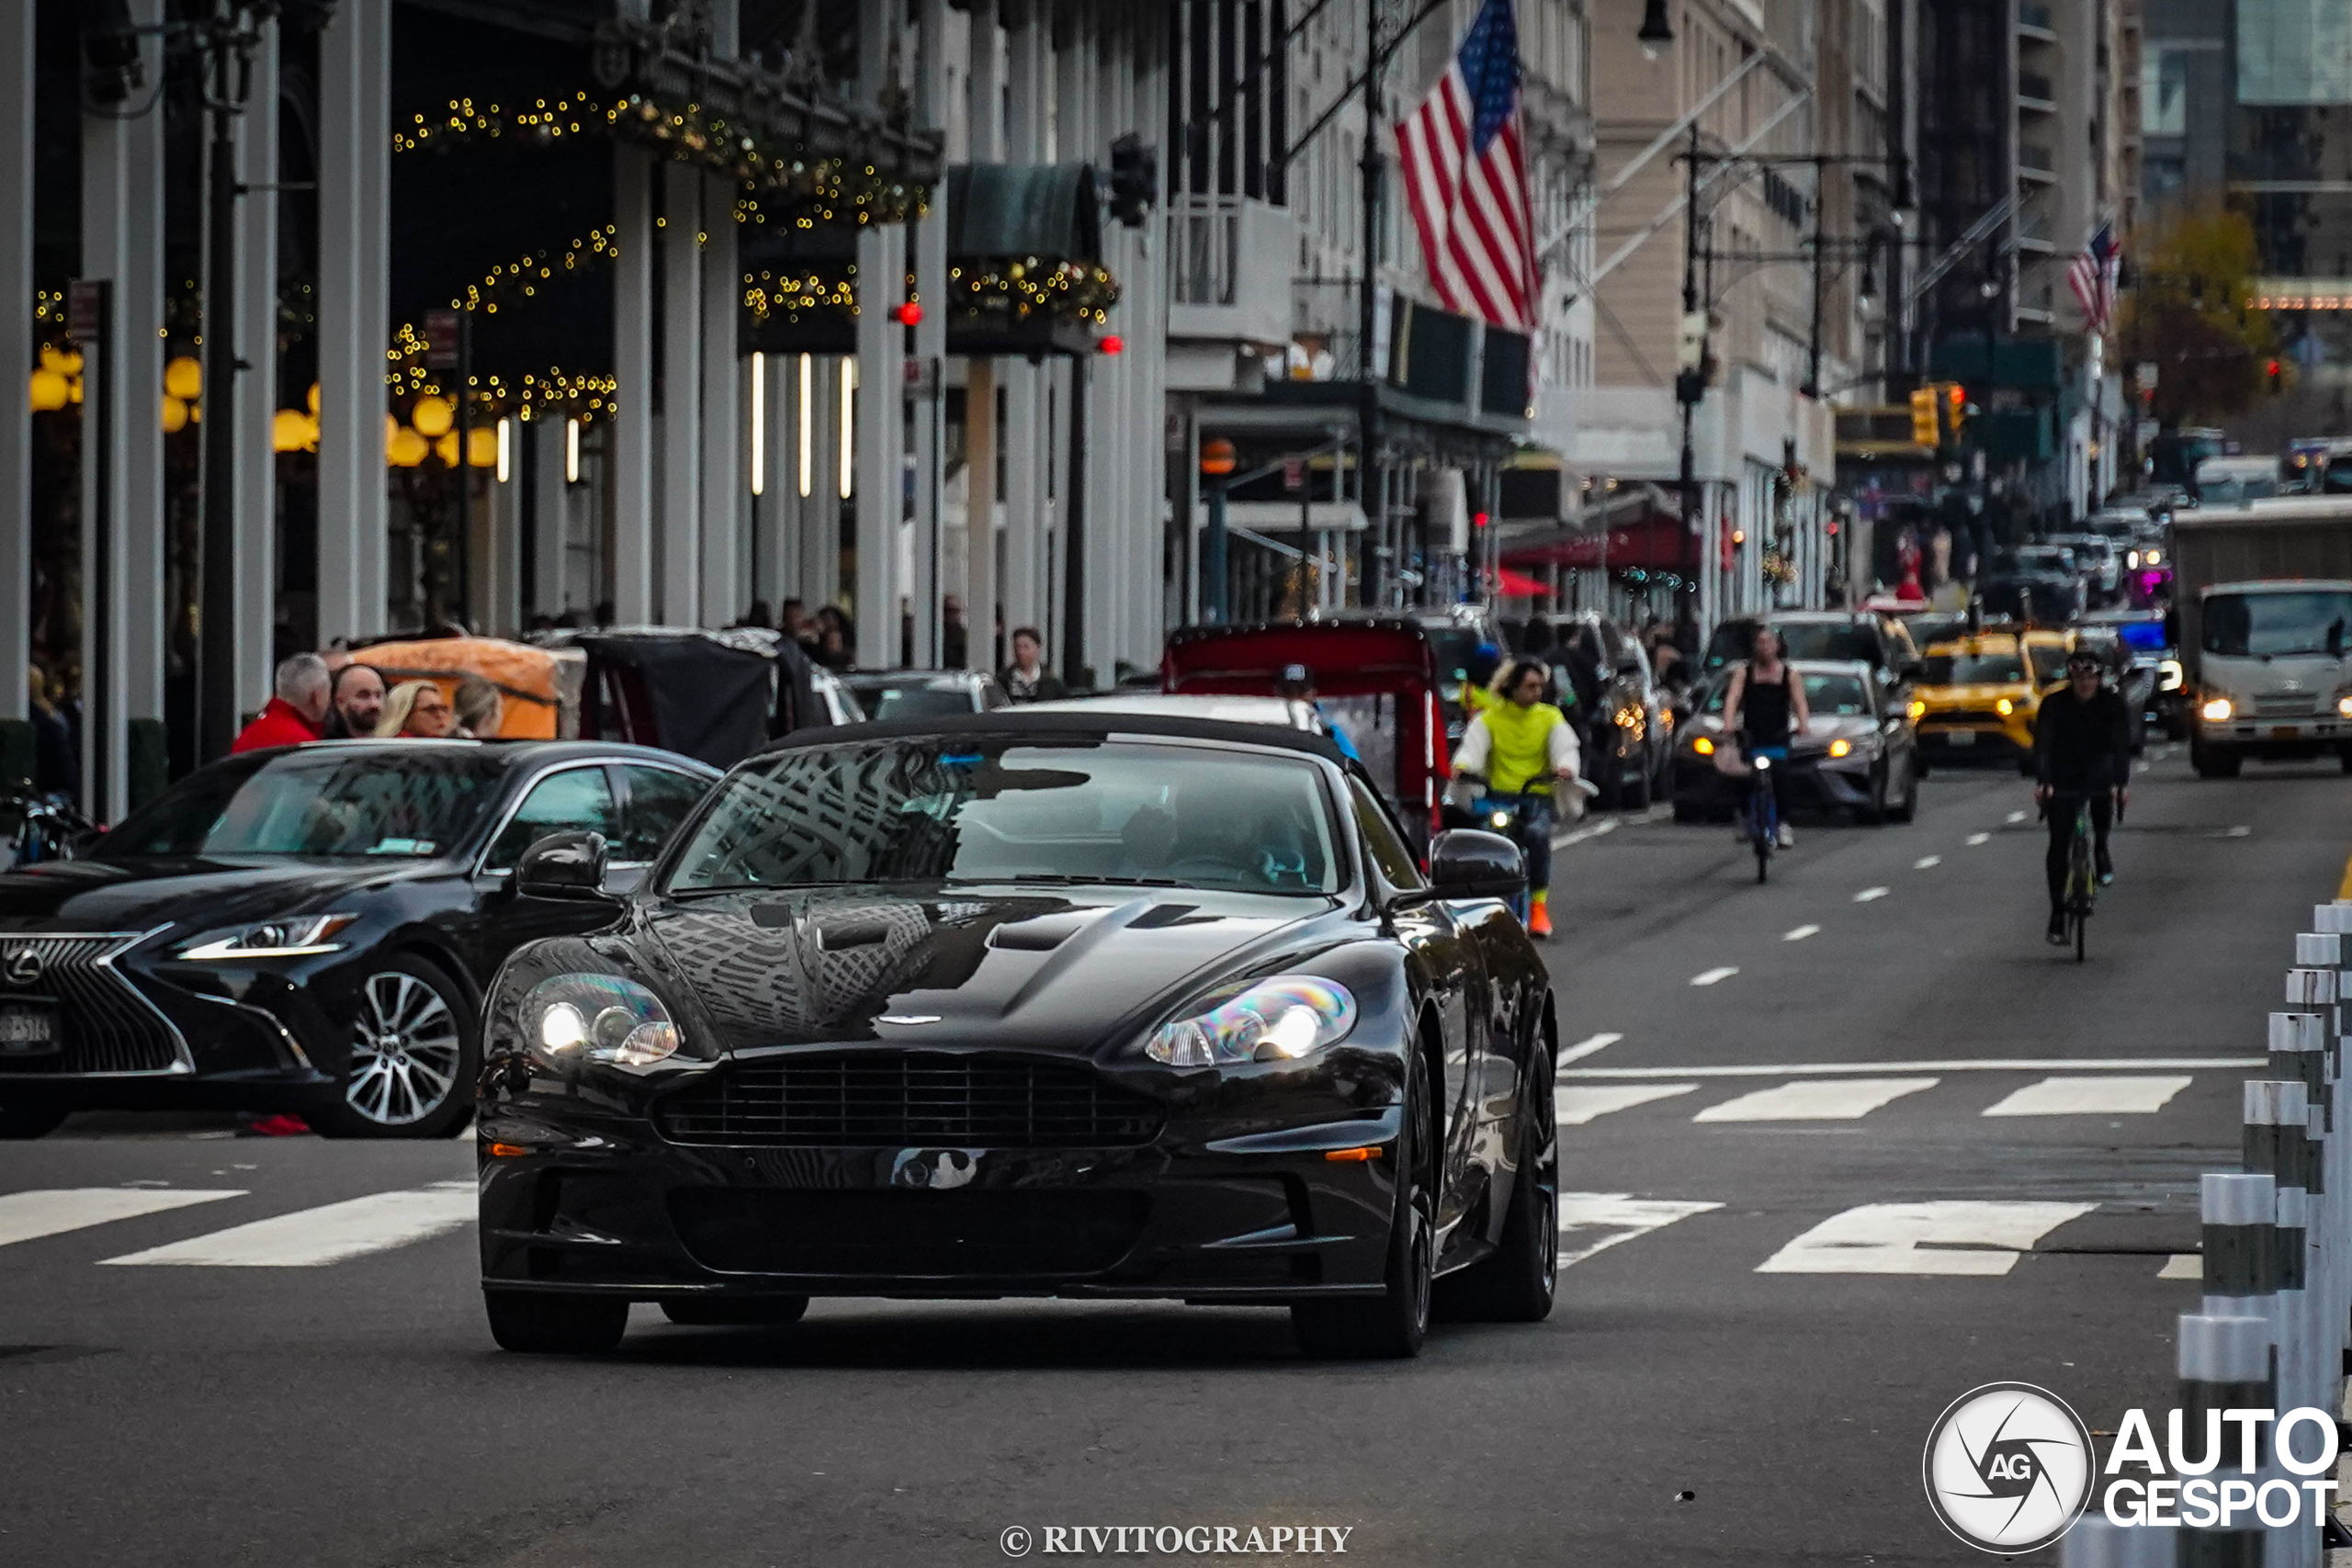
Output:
(2143, 768)
(330, 1234)
(1800, 932)
(1826, 1099)
(1927, 862)
(1975, 839)
(2183, 1266)
(2014, 817)
(1960, 1064)
(2091, 1097)
(2238, 832)
(1870, 893)
(1586, 1046)
(1948, 1236)
(1606, 825)
(1597, 1221)
(1714, 977)
(1576, 1107)
(25, 1215)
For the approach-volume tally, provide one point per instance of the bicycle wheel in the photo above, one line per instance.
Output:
(2082, 930)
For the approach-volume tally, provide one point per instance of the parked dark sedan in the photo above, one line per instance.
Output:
(306, 930)
(1859, 756)
(1027, 1004)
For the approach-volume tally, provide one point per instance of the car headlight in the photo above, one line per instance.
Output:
(1841, 747)
(1917, 710)
(2155, 557)
(2344, 707)
(299, 937)
(1704, 747)
(2216, 710)
(2131, 559)
(597, 1018)
(2168, 675)
(2005, 707)
(1272, 1020)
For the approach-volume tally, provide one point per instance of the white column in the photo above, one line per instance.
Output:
(678, 600)
(725, 486)
(631, 570)
(775, 574)
(1026, 435)
(255, 480)
(355, 237)
(15, 358)
(932, 110)
(122, 632)
(881, 261)
(820, 509)
(547, 437)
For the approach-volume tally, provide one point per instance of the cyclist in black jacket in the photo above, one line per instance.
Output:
(2082, 747)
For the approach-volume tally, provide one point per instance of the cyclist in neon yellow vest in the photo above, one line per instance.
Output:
(1524, 747)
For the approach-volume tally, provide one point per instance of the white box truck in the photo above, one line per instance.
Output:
(2263, 592)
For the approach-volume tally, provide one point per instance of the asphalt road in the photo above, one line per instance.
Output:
(1749, 1348)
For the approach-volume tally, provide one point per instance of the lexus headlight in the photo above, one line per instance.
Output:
(299, 937)
(1276, 1019)
(597, 1018)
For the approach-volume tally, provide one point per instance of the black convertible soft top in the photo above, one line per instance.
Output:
(1014, 723)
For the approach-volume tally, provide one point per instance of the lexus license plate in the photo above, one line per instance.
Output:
(27, 1029)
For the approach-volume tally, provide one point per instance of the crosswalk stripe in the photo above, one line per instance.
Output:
(1947, 1236)
(1714, 977)
(1578, 1106)
(330, 1234)
(1587, 1047)
(2183, 1266)
(2090, 1097)
(1814, 1100)
(1594, 1222)
(27, 1216)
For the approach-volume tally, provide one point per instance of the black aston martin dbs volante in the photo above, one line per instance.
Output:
(306, 929)
(1018, 1004)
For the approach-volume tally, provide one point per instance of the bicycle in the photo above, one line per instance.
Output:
(1763, 810)
(2081, 894)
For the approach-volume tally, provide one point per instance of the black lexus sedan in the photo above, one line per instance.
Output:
(306, 930)
(1105, 1004)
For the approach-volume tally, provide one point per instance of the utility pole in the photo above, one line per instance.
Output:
(1372, 483)
(1690, 383)
(229, 38)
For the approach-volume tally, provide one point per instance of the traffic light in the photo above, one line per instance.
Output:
(1134, 179)
(2272, 378)
(1956, 408)
(1923, 418)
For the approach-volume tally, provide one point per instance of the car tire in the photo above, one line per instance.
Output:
(1871, 813)
(1519, 1281)
(1635, 796)
(20, 1124)
(2212, 764)
(414, 1024)
(541, 1323)
(1909, 810)
(1393, 1324)
(765, 1311)
(2345, 757)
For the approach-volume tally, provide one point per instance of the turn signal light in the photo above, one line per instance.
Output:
(1704, 747)
(1352, 1157)
(507, 1151)
(1918, 710)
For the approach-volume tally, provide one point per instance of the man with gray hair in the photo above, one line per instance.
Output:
(298, 711)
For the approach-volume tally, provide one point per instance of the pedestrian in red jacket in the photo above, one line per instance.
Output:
(298, 711)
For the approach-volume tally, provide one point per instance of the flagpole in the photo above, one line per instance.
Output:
(1370, 482)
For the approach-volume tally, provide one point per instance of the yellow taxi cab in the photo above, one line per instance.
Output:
(1976, 700)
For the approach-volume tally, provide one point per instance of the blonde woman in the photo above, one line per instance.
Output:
(417, 710)
(479, 708)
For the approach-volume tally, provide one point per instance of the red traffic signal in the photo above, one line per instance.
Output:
(1110, 343)
(908, 314)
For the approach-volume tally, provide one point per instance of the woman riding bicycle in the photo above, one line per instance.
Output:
(1765, 707)
(1520, 747)
(2082, 755)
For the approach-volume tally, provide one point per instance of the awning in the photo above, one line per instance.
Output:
(1655, 543)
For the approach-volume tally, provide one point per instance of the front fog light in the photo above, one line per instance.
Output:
(1277, 1020)
(598, 1018)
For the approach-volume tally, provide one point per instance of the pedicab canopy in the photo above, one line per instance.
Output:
(708, 694)
(1375, 678)
(541, 685)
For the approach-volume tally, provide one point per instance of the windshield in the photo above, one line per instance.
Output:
(1977, 669)
(333, 801)
(1824, 695)
(2048, 662)
(995, 810)
(1825, 639)
(910, 699)
(2302, 621)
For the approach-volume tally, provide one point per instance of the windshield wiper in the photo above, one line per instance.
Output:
(1065, 879)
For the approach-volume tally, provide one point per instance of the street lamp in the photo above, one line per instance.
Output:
(1657, 29)
(1217, 462)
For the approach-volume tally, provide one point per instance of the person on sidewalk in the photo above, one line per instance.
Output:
(359, 702)
(296, 714)
(1026, 678)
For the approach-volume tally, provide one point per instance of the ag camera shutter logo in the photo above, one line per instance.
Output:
(2009, 1467)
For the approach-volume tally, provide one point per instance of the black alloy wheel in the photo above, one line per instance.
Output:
(765, 1311)
(1393, 1324)
(1518, 1282)
(543, 1323)
(415, 1052)
(19, 1123)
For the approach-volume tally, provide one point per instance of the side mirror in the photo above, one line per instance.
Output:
(568, 866)
(1471, 863)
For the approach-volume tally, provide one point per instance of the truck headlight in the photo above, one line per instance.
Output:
(2344, 707)
(1276, 1019)
(597, 1018)
(2216, 710)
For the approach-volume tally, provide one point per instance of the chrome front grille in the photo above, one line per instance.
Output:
(104, 1023)
(888, 1098)
(2285, 705)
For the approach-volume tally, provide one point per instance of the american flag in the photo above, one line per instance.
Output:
(2091, 275)
(1465, 179)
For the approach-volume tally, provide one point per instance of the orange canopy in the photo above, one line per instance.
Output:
(541, 685)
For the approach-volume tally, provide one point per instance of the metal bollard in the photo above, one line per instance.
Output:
(2299, 1055)
(2095, 1542)
(2224, 1365)
(2277, 1142)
